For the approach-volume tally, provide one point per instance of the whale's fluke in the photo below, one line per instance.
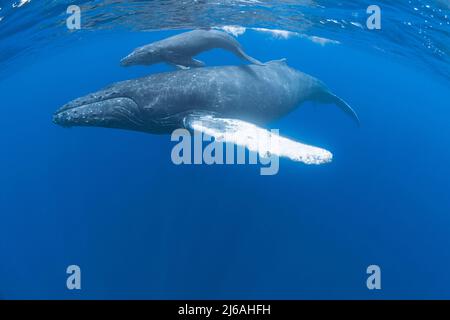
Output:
(329, 97)
(256, 139)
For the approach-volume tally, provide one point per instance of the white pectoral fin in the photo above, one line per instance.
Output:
(265, 143)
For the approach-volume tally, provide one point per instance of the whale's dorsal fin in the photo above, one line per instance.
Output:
(255, 139)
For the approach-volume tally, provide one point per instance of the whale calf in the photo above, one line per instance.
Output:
(214, 100)
(179, 50)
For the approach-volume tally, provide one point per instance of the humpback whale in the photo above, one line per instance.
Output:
(179, 50)
(217, 101)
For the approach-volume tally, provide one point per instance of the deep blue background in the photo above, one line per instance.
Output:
(113, 203)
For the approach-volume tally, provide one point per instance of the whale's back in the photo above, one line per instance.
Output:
(256, 93)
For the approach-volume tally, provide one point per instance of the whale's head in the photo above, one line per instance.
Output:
(145, 55)
(129, 105)
(110, 108)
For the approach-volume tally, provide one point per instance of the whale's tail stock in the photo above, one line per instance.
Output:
(326, 96)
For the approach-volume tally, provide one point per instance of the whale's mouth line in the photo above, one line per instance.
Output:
(85, 102)
(97, 111)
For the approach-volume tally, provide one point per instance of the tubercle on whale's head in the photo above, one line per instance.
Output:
(145, 55)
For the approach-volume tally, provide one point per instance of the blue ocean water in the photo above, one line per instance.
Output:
(139, 227)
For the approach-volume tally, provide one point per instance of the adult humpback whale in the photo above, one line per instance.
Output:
(220, 101)
(179, 50)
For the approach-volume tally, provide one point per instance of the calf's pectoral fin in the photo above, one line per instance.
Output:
(197, 63)
(177, 66)
(184, 61)
(255, 139)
